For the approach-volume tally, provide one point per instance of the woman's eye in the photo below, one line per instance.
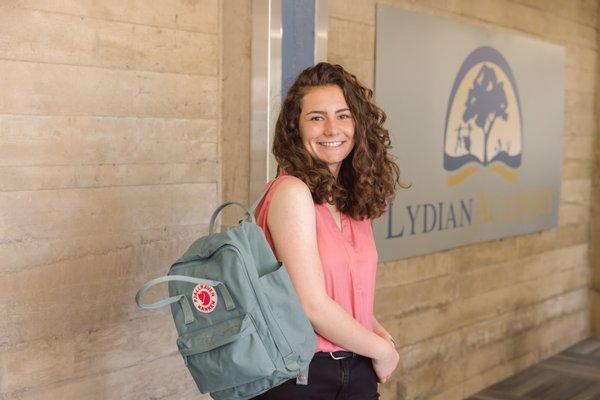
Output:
(315, 118)
(346, 116)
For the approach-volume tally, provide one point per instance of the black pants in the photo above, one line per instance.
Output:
(351, 378)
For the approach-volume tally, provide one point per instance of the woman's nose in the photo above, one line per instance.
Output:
(330, 126)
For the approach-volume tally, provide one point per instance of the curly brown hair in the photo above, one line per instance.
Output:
(368, 175)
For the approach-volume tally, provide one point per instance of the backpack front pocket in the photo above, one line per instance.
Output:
(225, 355)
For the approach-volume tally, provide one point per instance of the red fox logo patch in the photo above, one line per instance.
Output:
(204, 298)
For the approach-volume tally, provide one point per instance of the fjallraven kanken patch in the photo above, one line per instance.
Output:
(241, 328)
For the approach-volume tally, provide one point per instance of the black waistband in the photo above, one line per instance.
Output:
(337, 354)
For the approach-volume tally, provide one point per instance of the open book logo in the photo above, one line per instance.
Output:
(483, 121)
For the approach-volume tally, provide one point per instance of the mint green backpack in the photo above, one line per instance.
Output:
(241, 328)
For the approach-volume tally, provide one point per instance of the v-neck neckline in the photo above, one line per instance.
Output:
(341, 225)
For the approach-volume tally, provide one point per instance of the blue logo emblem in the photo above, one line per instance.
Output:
(483, 121)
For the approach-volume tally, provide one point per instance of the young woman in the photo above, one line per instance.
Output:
(334, 176)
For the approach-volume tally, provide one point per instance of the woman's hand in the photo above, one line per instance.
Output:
(386, 364)
(387, 337)
(381, 331)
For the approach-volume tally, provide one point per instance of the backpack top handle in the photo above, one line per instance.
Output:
(213, 218)
(249, 211)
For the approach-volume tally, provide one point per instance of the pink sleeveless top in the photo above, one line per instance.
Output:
(348, 257)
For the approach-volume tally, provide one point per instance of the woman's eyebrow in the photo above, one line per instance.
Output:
(324, 112)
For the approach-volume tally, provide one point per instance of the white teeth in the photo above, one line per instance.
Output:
(330, 144)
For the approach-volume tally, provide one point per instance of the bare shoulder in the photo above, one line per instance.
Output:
(291, 203)
(291, 190)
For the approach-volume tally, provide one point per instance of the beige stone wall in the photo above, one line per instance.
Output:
(109, 167)
(124, 123)
(595, 222)
(235, 133)
(471, 316)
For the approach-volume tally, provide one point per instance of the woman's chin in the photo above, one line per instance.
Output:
(333, 157)
(332, 160)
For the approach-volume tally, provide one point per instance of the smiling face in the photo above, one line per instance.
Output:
(327, 125)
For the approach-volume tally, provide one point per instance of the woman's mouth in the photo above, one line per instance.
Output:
(331, 144)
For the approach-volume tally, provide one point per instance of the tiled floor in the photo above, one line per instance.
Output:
(573, 374)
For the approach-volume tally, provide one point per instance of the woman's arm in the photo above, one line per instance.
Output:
(381, 331)
(292, 223)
